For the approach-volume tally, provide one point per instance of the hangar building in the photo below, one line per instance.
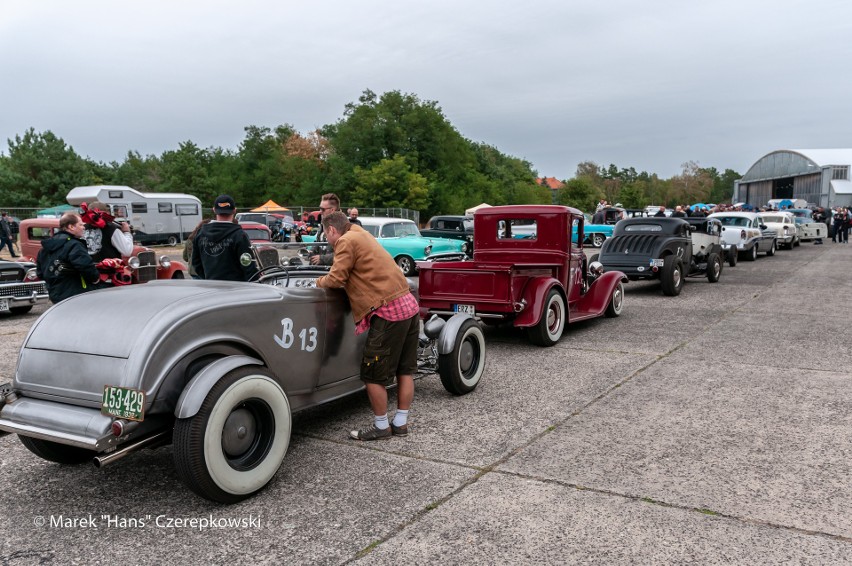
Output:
(818, 176)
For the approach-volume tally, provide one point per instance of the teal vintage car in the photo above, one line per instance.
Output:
(401, 238)
(596, 234)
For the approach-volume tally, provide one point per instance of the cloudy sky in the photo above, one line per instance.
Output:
(644, 84)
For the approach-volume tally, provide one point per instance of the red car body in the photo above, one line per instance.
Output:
(526, 269)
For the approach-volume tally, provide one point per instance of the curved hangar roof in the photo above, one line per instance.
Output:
(796, 162)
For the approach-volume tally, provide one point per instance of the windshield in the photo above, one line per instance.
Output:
(734, 221)
(255, 234)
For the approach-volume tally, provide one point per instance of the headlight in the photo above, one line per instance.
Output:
(427, 251)
(165, 261)
(133, 262)
(31, 275)
(464, 247)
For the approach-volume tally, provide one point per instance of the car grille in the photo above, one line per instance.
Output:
(147, 266)
(23, 290)
(633, 244)
(11, 275)
(267, 257)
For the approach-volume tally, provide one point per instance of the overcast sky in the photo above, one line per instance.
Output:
(644, 84)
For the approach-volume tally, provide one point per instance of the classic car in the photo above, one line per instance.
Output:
(784, 225)
(401, 238)
(745, 232)
(258, 233)
(668, 249)
(808, 228)
(185, 367)
(452, 227)
(20, 287)
(539, 282)
(141, 267)
(596, 234)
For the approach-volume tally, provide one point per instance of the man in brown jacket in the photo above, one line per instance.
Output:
(383, 305)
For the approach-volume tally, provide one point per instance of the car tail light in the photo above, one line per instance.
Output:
(117, 428)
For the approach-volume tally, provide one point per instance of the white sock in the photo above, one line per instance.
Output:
(381, 421)
(400, 418)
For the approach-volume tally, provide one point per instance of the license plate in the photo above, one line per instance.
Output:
(657, 262)
(124, 403)
(4, 305)
(467, 309)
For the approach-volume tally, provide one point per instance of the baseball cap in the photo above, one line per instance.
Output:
(224, 204)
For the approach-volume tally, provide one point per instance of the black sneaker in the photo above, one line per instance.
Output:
(371, 433)
(401, 430)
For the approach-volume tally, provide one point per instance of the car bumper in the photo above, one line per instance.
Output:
(23, 294)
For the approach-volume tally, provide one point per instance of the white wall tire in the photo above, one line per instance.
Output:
(461, 369)
(552, 322)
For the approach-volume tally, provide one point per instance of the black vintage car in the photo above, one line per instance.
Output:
(20, 288)
(453, 227)
(668, 249)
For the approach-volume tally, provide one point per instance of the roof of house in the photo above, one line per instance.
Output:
(550, 182)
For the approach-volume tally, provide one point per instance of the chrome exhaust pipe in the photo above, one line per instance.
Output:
(147, 442)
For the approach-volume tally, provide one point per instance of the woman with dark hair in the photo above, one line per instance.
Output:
(187, 248)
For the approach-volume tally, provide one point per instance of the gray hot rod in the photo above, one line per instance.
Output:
(216, 368)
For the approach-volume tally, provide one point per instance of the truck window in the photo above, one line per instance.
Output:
(164, 207)
(516, 229)
(186, 209)
(139, 207)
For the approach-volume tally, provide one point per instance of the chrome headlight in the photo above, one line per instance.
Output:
(133, 262)
(596, 269)
(427, 251)
(31, 275)
(165, 261)
(464, 247)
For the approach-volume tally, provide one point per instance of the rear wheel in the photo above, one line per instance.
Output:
(751, 255)
(598, 240)
(55, 452)
(406, 264)
(797, 242)
(732, 257)
(594, 258)
(616, 302)
(461, 369)
(549, 328)
(771, 249)
(671, 276)
(714, 267)
(173, 240)
(233, 446)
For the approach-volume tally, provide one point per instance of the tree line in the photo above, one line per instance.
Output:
(393, 150)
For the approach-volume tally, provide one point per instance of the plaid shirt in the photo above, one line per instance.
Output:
(398, 309)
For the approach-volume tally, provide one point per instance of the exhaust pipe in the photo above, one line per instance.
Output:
(147, 442)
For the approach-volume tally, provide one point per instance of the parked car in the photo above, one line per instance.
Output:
(540, 282)
(596, 234)
(258, 233)
(452, 227)
(401, 238)
(807, 227)
(662, 248)
(20, 287)
(185, 366)
(784, 225)
(141, 267)
(746, 233)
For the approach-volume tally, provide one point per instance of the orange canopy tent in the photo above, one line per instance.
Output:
(270, 206)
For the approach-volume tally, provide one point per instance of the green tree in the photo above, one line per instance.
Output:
(580, 193)
(390, 183)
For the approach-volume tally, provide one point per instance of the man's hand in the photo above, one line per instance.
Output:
(315, 259)
(125, 226)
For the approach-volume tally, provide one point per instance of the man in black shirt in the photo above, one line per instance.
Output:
(219, 245)
(64, 263)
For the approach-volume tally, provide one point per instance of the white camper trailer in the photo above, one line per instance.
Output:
(157, 218)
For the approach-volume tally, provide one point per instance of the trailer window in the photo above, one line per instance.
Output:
(116, 194)
(164, 207)
(186, 209)
(139, 207)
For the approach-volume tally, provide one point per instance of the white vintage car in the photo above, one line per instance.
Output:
(784, 224)
(745, 232)
(808, 229)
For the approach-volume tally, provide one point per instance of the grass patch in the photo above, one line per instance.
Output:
(368, 549)
(708, 512)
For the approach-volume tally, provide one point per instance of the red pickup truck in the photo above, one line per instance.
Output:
(528, 268)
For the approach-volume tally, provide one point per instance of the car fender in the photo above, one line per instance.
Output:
(447, 338)
(597, 297)
(174, 267)
(534, 295)
(200, 385)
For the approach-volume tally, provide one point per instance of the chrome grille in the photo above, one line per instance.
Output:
(11, 274)
(147, 266)
(23, 290)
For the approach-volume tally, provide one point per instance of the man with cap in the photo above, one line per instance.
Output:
(220, 243)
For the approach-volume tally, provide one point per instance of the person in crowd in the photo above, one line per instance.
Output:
(819, 216)
(599, 217)
(104, 237)
(382, 304)
(6, 235)
(187, 248)
(678, 212)
(64, 262)
(328, 204)
(353, 216)
(219, 245)
(661, 212)
(839, 224)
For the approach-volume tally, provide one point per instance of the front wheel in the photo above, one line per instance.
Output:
(462, 368)
(549, 328)
(714, 267)
(598, 240)
(406, 264)
(236, 442)
(751, 255)
(771, 251)
(55, 452)
(671, 277)
(21, 310)
(616, 302)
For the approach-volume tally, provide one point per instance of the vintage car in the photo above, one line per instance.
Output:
(258, 233)
(141, 267)
(185, 367)
(668, 249)
(784, 225)
(401, 238)
(539, 282)
(596, 234)
(744, 232)
(20, 287)
(808, 228)
(452, 227)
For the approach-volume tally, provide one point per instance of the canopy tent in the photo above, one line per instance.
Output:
(55, 211)
(470, 211)
(270, 206)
